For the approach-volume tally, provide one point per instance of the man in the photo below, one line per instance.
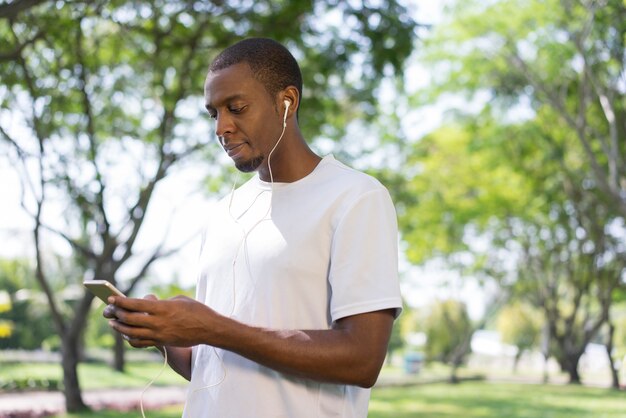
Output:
(297, 287)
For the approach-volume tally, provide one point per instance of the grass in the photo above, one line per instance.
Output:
(435, 400)
(496, 400)
(467, 400)
(169, 412)
(95, 375)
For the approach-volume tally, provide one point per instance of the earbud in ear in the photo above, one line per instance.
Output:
(287, 104)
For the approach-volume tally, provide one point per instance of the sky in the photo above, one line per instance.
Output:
(176, 213)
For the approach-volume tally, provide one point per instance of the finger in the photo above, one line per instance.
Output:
(139, 343)
(130, 333)
(133, 304)
(109, 311)
(142, 343)
(134, 319)
(150, 297)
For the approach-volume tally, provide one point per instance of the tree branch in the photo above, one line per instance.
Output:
(13, 9)
(85, 251)
(558, 105)
(137, 212)
(611, 150)
(91, 134)
(14, 55)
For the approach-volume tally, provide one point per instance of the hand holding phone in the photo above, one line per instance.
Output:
(102, 289)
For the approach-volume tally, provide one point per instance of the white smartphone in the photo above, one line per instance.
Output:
(102, 289)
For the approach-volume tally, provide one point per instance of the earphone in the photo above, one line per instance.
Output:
(287, 104)
(243, 242)
(143, 392)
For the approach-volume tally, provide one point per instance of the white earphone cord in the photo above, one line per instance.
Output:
(243, 241)
(245, 238)
(152, 381)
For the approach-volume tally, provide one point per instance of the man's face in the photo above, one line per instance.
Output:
(246, 119)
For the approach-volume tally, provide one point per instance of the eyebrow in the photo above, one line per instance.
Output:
(227, 99)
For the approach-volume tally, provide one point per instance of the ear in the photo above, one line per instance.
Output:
(291, 95)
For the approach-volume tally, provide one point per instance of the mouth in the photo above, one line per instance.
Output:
(234, 149)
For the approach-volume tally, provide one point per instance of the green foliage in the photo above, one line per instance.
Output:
(169, 290)
(101, 100)
(520, 325)
(5, 301)
(447, 329)
(457, 183)
(22, 384)
(97, 332)
(101, 88)
(139, 61)
(401, 327)
(24, 323)
(6, 329)
(527, 185)
(619, 338)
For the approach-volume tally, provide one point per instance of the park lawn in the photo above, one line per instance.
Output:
(467, 400)
(95, 375)
(496, 400)
(435, 400)
(169, 412)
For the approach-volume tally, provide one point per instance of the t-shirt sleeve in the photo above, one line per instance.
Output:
(364, 258)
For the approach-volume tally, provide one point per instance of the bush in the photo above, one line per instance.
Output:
(29, 384)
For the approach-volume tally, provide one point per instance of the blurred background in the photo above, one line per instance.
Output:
(498, 126)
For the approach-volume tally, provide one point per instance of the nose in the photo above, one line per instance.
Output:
(223, 125)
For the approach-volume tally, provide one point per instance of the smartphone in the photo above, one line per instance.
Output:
(102, 289)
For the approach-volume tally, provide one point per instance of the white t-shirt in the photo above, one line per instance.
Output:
(299, 256)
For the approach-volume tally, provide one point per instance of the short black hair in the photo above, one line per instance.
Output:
(271, 63)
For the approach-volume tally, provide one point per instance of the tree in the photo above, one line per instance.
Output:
(94, 89)
(448, 334)
(525, 188)
(492, 202)
(563, 55)
(519, 325)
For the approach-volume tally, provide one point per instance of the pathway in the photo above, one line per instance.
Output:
(43, 404)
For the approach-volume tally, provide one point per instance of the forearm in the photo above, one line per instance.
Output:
(318, 355)
(352, 352)
(349, 355)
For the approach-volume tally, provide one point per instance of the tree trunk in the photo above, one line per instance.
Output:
(119, 361)
(574, 377)
(71, 386)
(546, 374)
(609, 351)
(518, 356)
(545, 350)
(72, 346)
(454, 378)
(569, 364)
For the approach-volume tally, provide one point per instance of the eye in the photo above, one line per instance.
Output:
(213, 115)
(236, 109)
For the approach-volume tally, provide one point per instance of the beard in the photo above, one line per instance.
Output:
(250, 165)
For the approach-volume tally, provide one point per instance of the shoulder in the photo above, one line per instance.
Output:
(346, 191)
(340, 177)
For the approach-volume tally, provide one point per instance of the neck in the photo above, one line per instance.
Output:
(291, 161)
